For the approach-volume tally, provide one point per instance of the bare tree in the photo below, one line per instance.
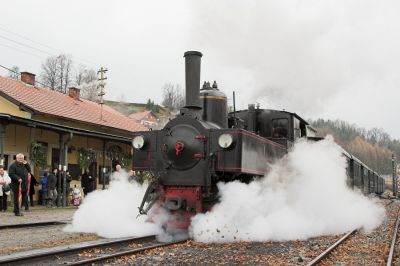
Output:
(57, 71)
(80, 75)
(50, 74)
(173, 96)
(14, 72)
(168, 95)
(179, 97)
(86, 80)
(65, 68)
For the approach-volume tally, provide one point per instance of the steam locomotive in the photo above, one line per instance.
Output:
(205, 145)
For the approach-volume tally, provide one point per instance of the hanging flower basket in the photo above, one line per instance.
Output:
(37, 154)
(85, 158)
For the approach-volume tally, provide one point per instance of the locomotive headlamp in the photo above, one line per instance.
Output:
(225, 141)
(138, 142)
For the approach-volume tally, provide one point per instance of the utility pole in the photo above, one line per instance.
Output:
(394, 179)
(101, 79)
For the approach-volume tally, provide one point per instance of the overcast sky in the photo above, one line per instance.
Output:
(330, 59)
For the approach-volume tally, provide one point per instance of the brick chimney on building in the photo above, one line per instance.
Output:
(74, 93)
(28, 78)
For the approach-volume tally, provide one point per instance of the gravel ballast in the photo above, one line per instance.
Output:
(363, 248)
(23, 239)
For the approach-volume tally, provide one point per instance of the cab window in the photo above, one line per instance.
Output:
(280, 128)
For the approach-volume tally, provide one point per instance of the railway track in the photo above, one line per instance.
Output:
(389, 259)
(88, 253)
(390, 202)
(328, 251)
(28, 225)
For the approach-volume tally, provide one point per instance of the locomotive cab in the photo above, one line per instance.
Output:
(279, 126)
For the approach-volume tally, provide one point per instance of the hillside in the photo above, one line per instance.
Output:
(130, 108)
(374, 147)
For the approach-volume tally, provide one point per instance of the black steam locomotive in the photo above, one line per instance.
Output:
(204, 145)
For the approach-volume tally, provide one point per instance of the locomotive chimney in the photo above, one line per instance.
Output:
(192, 75)
(252, 118)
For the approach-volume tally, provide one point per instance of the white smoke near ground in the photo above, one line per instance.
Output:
(113, 212)
(305, 195)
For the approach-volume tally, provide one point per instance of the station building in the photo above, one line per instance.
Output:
(59, 130)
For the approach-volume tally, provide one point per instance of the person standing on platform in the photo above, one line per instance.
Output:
(85, 183)
(5, 181)
(51, 187)
(68, 179)
(91, 184)
(32, 185)
(118, 173)
(18, 173)
(44, 188)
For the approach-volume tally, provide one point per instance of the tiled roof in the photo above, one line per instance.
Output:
(57, 104)
(139, 116)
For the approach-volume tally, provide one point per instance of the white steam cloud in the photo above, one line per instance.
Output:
(309, 56)
(305, 195)
(113, 212)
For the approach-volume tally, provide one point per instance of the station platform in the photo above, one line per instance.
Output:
(38, 213)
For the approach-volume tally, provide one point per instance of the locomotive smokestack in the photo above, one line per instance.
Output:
(192, 75)
(252, 118)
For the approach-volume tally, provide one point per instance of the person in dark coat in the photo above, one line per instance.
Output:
(18, 173)
(33, 183)
(68, 178)
(51, 187)
(85, 183)
(30, 185)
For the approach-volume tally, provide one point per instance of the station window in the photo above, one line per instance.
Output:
(280, 128)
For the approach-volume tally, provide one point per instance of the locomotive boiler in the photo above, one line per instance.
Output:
(205, 145)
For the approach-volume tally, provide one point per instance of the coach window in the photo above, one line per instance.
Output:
(280, 128)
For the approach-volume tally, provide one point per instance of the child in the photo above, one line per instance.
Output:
(77, 196)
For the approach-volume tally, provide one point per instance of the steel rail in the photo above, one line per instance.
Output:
(329, 250)
(25, 259)
(26, 225)
(123, 253)
(387, 204)
(393, 245)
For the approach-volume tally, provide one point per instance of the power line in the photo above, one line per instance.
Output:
(41, 44)
(19, 74)
(16, 72)
(26, 38)
(26, 45)
(22, 51)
